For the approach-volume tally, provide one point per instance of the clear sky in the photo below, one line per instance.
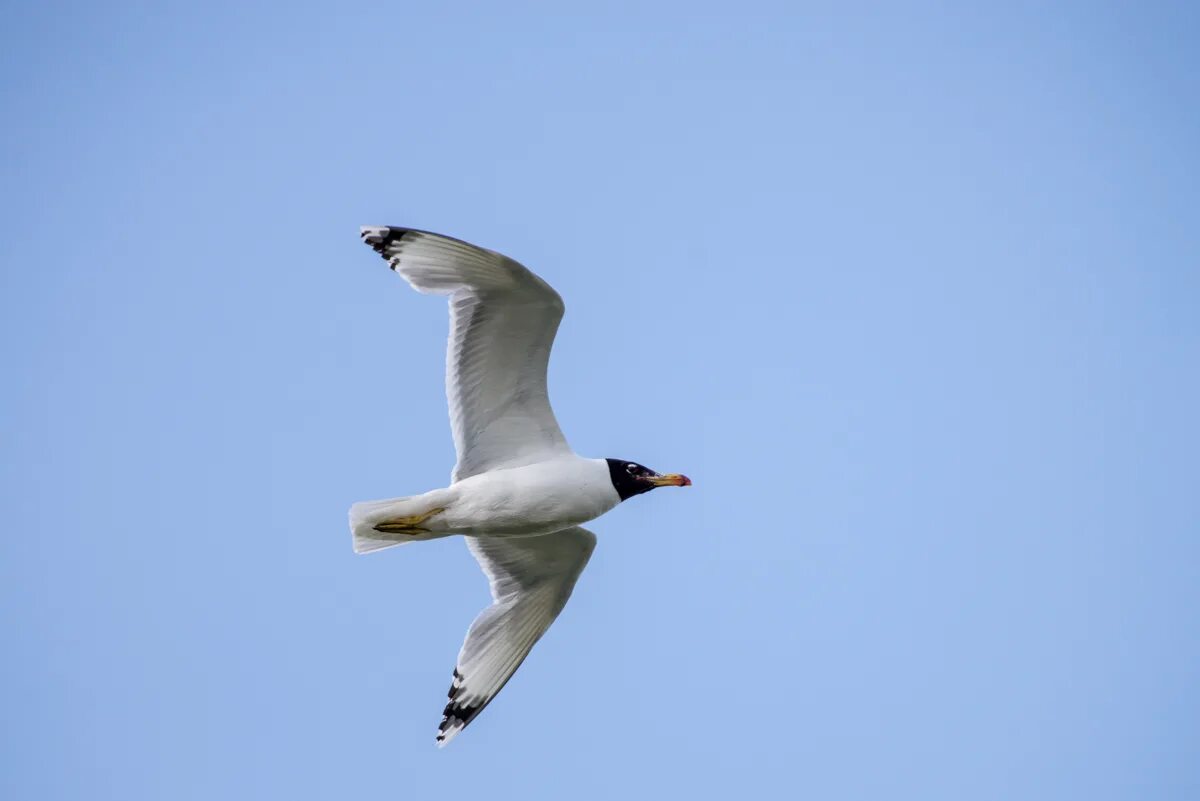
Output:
(911, 293)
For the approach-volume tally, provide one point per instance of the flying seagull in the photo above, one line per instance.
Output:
(518, 492)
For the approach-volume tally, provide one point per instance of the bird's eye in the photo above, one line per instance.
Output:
(631, 469)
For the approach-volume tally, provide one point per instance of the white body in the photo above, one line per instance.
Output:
(536, 499)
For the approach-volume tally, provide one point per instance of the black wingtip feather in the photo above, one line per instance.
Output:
(457, 714)
(381, 238)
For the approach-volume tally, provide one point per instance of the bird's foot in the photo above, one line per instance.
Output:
(407, 525)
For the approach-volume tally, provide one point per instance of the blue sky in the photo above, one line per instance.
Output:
(909, 291)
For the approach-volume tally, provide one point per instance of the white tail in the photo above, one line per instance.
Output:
(365, 515)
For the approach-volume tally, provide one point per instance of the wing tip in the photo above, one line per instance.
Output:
(447, 732)
(457, 715)
(382, 237)
(452, 723)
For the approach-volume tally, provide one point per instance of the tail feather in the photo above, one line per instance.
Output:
(365, 515)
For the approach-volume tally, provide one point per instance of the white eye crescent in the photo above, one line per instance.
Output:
(631, 469)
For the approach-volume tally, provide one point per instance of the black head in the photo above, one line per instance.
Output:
(631, 478)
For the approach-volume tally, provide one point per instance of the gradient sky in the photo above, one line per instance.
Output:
(911, 292)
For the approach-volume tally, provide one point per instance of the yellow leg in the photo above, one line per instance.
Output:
(407, 525)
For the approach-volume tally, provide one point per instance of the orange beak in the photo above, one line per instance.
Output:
(671, 480)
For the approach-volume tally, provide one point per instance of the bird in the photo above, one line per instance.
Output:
(518, 493)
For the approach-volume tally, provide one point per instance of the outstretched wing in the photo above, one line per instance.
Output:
(502, 324)
(531, 578)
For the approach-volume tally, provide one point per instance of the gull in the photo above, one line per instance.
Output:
(518, 493)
